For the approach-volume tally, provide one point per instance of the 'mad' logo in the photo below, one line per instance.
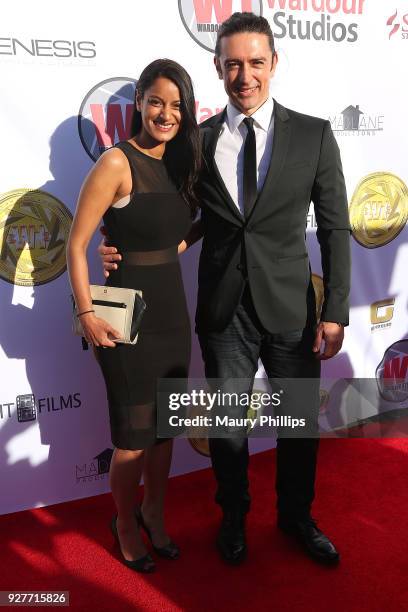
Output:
(96, 469)
(202, 18)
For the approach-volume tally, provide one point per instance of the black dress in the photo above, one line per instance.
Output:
(147, 231)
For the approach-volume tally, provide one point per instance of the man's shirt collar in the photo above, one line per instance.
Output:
(261, 117)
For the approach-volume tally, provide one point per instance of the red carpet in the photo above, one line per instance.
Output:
(362, 502)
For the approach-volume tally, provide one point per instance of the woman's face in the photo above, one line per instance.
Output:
(160, 109)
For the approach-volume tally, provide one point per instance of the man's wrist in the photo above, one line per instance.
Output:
(335, 323)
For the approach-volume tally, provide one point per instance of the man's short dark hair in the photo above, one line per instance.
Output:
(244, 22)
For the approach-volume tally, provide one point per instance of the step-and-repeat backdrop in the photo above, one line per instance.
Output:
(68, 80)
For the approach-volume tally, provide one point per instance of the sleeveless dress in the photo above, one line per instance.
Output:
(147, 231)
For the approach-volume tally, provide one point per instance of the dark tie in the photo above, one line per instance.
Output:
(250, 179)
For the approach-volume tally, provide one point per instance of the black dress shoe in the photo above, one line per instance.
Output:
(143, 565)
(169, 551)
(316, 543)
(231, 541)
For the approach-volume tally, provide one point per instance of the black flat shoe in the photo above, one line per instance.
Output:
(144, 565)
(314, 541)
(231, 540)
(170, 551)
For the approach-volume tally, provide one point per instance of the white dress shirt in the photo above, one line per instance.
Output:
(229, 152)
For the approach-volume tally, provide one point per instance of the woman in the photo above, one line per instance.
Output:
(144, 189)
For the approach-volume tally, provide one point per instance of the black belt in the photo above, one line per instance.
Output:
(150, 258)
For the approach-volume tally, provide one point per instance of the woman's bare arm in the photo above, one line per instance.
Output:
(111, 258)
(96, 196)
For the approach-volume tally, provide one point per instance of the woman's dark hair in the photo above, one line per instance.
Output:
(183, 153)
(244, 22)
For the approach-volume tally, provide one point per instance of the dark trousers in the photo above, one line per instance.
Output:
(233, 354)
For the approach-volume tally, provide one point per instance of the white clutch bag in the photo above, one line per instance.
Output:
(122, 308)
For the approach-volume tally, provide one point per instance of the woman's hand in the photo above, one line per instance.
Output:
(195, 234)
(182, 247)
(97, 331)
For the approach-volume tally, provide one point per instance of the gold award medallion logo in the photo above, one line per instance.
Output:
(34, 228)
(378, 209)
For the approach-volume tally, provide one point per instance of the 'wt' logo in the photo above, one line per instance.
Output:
(220, 9)
(391, 373)
(202, 18)
(109, 122)
(105, 115)
(396, 368)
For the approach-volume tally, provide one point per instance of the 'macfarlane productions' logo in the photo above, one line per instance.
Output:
(378, 209)
(202, 18)
(96, 469)
(353, 121)
(381, 313)
(34, 228)
(40, 50)
(105, 115)
(397, 25)
(319, 20)
(392, 373)
(29, 408)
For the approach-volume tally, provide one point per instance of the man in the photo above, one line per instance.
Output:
(263, 164)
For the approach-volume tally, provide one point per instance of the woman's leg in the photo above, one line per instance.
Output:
(155, 475)
(125, 472)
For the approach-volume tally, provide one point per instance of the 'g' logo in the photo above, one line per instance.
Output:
(382, 311)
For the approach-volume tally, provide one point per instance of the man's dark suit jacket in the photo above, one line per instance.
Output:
(268, 248)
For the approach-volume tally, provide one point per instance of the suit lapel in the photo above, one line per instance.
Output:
(280, 146)
(211, 147)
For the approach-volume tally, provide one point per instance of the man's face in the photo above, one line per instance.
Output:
(245, 65)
